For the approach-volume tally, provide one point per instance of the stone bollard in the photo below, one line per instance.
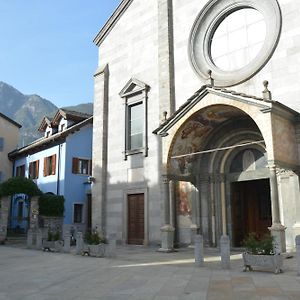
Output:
(298, 254)
(79, 243)
(67, 242)
(39, 240)
(29, 238)
(225, 252)
(3, 231)
(112, 245)
(199, 255)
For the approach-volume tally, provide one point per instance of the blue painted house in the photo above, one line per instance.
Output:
(60, 163)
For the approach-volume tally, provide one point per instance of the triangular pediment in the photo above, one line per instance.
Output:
(133, 86)
(260, 103)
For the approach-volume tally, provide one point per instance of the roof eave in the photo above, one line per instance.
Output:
(10, 120)
(44, 142)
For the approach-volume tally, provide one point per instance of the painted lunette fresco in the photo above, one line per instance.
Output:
(192, 135)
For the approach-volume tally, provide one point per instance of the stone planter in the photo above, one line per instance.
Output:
(56, 246)
(94, 250)
(273, 262)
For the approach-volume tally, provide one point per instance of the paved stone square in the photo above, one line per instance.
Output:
(137, 273)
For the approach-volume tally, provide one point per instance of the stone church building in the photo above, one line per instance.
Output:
(196, 122)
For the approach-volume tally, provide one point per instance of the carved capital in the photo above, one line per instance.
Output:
(165, 179)
(285, 172)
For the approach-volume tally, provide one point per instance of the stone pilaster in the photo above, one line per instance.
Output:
(100, 134)
(34, 211)
(277, 229)
(166, 57)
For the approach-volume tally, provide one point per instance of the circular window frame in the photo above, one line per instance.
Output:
(205, 26)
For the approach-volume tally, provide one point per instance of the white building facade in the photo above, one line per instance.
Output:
(187, 135)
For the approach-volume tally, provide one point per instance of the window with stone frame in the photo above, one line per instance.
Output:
(34, 169)
(81, 166)
(20, 171)
(49, 165)
(78, 213)
(135, 95)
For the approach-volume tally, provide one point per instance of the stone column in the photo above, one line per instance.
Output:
(195, 227)
(167, 231)
(4, 214)
(204, 209)
(277, 229)
(294, 179)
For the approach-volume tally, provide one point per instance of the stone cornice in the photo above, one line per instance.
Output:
(101, 70)
(105, 30)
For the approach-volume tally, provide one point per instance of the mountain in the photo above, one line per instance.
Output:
(28, 110)
(86, 108)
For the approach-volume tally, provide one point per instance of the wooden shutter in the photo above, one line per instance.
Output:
(45, 166)
(90, 167)
(37, 163)
(75, 165)
(23, 171)
(53, 164)
(30, 170)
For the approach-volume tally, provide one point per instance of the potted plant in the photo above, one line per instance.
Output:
(53, 241)
(260, 253)
(94, 244)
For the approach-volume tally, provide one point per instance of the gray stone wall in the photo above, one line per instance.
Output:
(130, 50)
(140, 46)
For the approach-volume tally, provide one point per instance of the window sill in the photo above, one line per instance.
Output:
(143, 150)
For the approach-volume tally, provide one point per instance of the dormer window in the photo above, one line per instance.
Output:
(47, 134)
(135, 95)
(62, 127)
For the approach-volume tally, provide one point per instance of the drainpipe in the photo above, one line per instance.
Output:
(58, 170)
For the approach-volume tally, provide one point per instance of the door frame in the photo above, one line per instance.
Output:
(229, 203)
(125, 213)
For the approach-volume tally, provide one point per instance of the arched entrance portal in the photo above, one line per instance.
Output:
(221, 152)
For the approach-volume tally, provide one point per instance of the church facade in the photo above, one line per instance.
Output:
(196, 122)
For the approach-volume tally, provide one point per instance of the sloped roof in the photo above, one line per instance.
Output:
(209, 89)
(46, 142)
(111, 21)
(69, 115)
(10, 120)
(46, 121)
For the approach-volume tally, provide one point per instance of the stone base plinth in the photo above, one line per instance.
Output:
(167, 239)
(296, 229)
(278, 233)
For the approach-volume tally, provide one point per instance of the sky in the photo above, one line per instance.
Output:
(46, 46)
